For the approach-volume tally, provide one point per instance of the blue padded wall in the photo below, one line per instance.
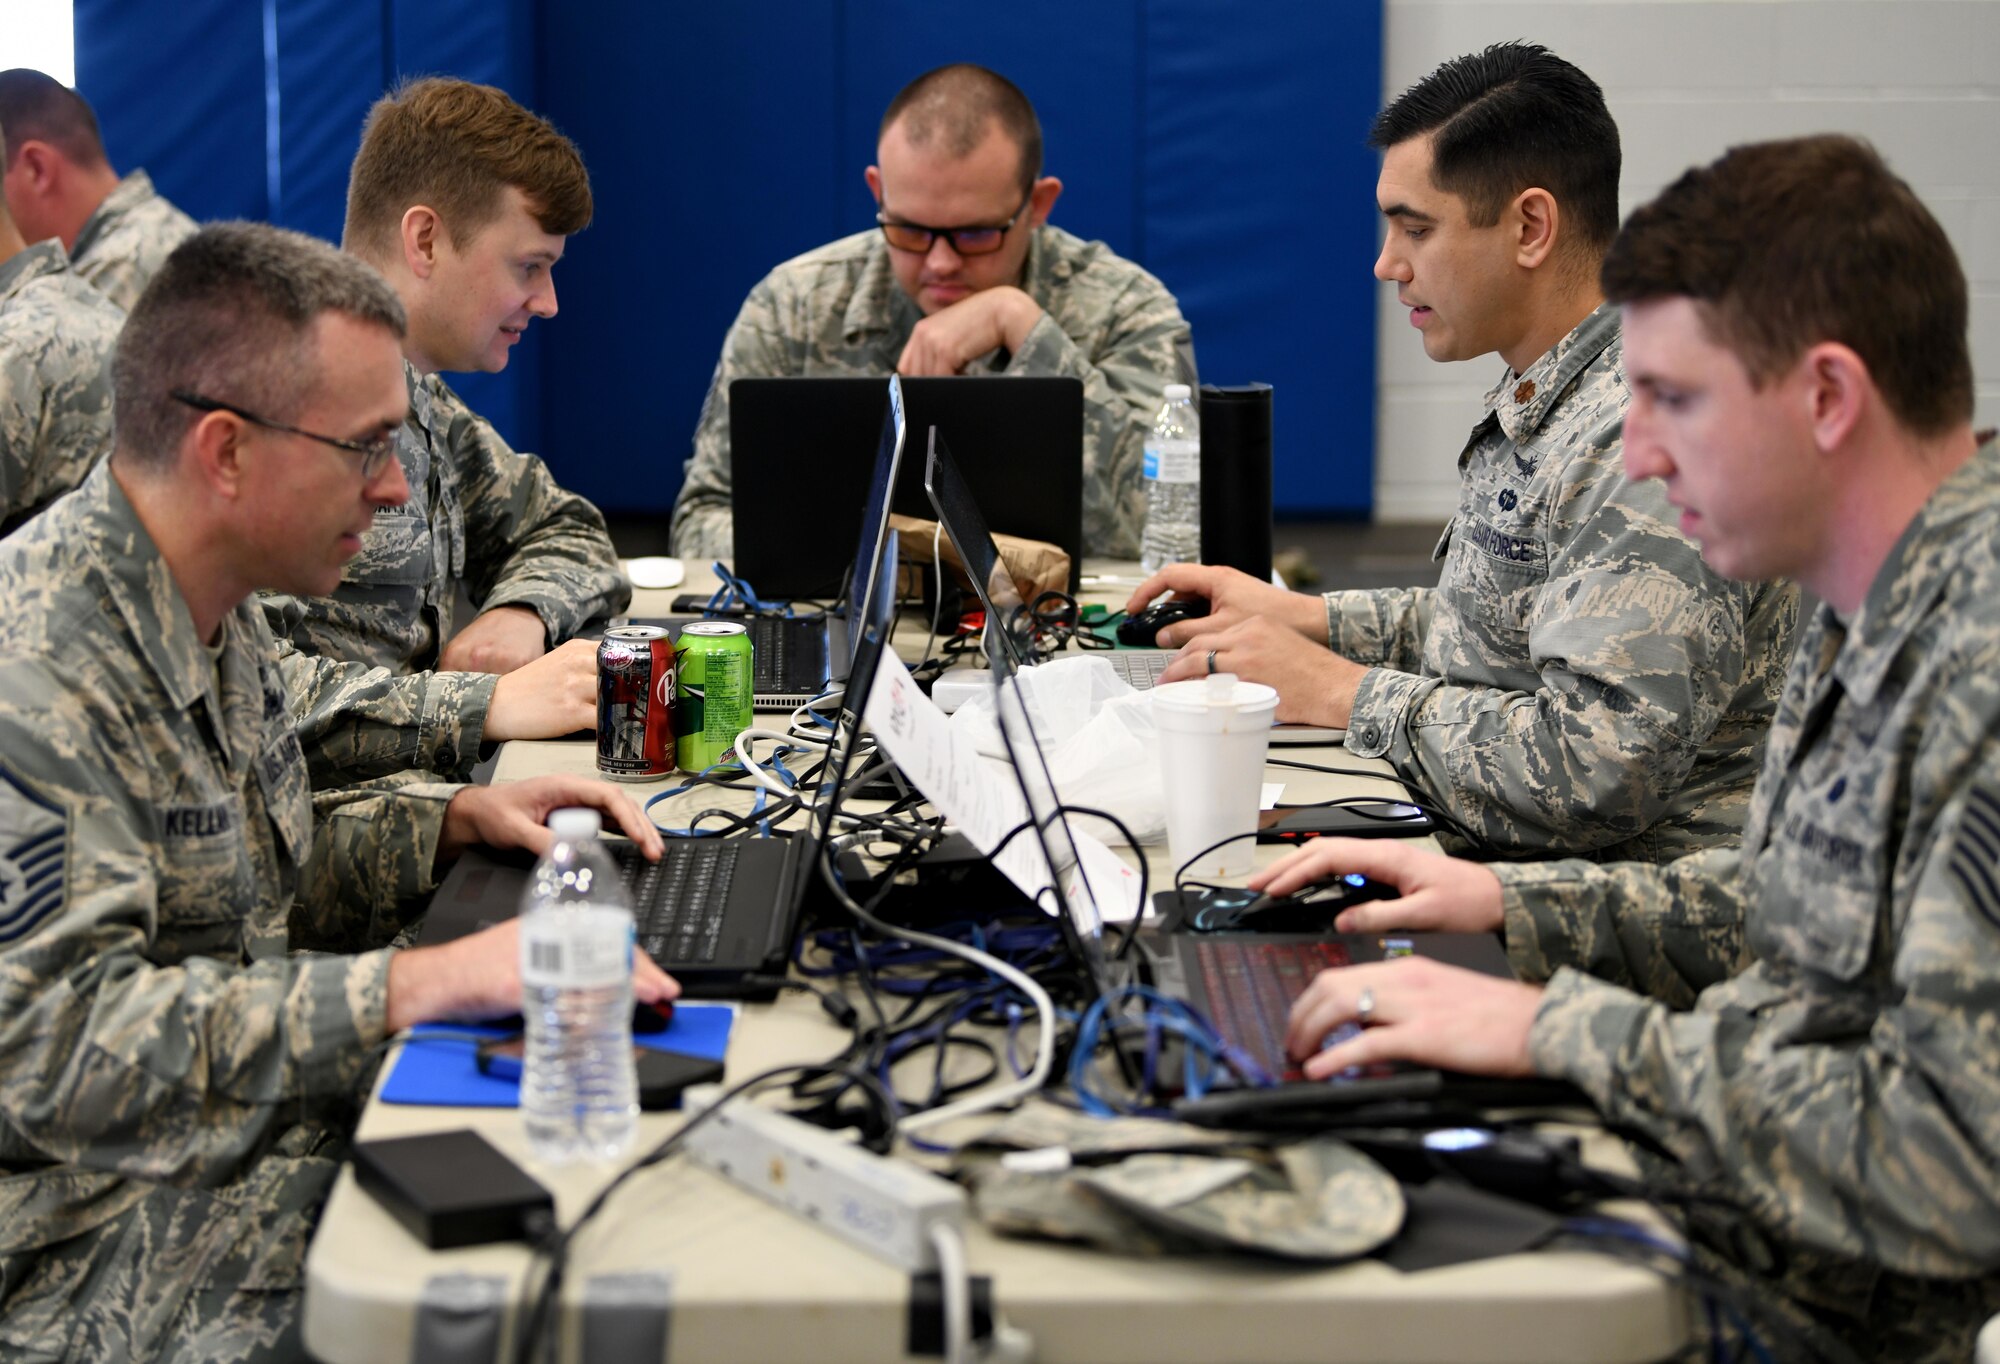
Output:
(1222, 147)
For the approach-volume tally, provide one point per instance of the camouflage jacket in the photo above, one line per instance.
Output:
(122, 245)
(838, 311)
(1843, 1083)
(156, 840)
(56, 339)
(480, 515)
(1579, 682)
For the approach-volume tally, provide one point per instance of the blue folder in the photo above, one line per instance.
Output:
(443, 1070)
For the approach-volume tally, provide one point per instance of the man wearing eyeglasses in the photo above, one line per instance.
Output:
(961, 275)
(177, 1078)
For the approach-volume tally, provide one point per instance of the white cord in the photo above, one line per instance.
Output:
(956, 1278)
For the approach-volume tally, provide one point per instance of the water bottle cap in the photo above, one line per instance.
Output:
(1178, 393)
(573, 823)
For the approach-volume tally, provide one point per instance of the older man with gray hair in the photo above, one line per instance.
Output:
(176, 1083)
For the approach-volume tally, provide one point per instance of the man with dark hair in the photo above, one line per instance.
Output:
(176, 1080)
(463, 200)
(56, 335)
(962, 276)
(60, 184)
(1578, 682)
(1795, 331)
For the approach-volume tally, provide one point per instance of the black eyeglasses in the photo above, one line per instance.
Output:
(374, 453)
(966, 241)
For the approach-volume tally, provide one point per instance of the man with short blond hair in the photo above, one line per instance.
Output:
(60, 184)
(463, 200)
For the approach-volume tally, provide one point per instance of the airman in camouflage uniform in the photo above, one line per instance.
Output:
(1802, 1028)
(60, 184)
(56, 336)
(844, 310)
(124, 242)
(1579, 681)
(365, 680)
(175, 1083)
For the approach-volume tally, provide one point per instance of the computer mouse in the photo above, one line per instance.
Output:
(1312, 907)
(651, 1018)
(1142, 630)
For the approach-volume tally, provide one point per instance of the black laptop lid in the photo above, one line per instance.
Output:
(810, 443)
(957, 510)
(868, 562)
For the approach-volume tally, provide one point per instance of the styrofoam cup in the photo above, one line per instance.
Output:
(1214, 733)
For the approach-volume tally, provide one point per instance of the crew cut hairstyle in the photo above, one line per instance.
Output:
(1514, 117)
(953, 105)
(228, 317)
(456, 147)
(1783, 245)
(40, 108)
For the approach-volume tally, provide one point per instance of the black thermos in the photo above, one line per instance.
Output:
(1236, 477)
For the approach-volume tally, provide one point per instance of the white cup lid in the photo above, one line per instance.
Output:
(1217, 691)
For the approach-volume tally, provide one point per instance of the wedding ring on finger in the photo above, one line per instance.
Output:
(1364, 1007)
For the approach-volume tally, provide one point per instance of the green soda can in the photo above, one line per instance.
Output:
(711, 693)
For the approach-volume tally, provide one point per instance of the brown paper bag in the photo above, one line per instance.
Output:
(1035, 566)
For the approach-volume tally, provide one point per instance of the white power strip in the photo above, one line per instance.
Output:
(884, 1206)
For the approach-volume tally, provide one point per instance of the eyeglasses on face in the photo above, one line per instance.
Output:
(966, 241)
(374, 453)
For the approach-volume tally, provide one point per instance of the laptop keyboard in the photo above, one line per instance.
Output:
(678, 901)
(1141, 670)
(1251, 986)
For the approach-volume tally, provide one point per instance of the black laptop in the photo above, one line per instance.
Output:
(799, 446)
(713, 912)
(794, 659)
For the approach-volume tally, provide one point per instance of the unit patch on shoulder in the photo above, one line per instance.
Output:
(1975, 857)
(34, 858)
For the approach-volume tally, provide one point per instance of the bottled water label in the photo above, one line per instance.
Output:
(576, 948)
(1174, 461)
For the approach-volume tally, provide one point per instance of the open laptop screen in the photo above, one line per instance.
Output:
(869, 565)
(962, 520)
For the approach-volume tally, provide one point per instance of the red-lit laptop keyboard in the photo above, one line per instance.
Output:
(1251, 986)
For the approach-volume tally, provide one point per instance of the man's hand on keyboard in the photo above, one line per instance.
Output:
(480, 977)
(497, 640)
(514, 815)
(1418, 1010)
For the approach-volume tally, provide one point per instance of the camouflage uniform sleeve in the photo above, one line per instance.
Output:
(1667, 932)
(1878, 1142)
(55, 412)
(755, 348)
(1384, 629)
(1637, 647)
(374, 852)
(119, 278)
(356, 721)
(110, 1059)
(1146, 345)
(528, 542)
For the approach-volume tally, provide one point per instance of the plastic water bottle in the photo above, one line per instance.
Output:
(1173, 485)
(579, 1091)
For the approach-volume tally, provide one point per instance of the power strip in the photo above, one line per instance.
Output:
(885, 1206)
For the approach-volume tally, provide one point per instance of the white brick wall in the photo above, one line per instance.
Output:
(1686, 79)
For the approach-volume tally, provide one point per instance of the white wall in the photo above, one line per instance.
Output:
(1687, 79)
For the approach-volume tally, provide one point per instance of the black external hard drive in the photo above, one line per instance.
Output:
(452, 1188)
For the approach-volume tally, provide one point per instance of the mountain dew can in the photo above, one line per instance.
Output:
(711, 693)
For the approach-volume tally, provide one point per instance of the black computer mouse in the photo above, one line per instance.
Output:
(1142, 630)
(651, 1018)
(1310, 909)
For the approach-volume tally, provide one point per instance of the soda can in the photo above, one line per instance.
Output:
(711, 692)
(635, 703)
